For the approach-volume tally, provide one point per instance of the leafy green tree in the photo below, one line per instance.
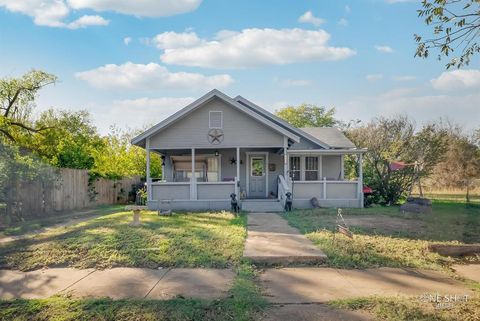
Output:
(456, 27)
(118, 158)
(69, 140)
(396, 139)
(17, 98)
(308, 115)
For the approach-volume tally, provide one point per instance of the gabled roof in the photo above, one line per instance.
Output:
(140, 139)
(331, 135)
(283, 123)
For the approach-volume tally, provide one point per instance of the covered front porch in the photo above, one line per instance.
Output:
(252, 174)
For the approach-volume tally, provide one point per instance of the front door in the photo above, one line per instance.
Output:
(257, 176)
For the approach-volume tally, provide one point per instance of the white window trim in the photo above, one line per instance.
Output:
(210, 118)
(305, 167)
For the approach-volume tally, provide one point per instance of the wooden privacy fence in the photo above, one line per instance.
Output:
(71, 191)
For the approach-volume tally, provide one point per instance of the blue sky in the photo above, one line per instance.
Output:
(133, 63)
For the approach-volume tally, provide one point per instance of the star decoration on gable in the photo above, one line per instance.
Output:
(215, 136)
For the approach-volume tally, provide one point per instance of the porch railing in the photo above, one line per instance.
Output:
(282, 189)
(192, 190)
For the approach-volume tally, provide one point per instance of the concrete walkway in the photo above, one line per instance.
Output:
(117, 283)
(320, 285)
(271, 240)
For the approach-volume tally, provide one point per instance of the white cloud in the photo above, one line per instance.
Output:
(343, 22)
(384, 49)
(137, 113)
(85, 21)
(308, 17)
(144, 8)
(150, 76)
(127, 40)
(374, 77)
(252, 47)
(411, 101)
(347, 9)
(173, 40)
(457, 79)
(293, 82)
(53, 13)
(404, 78)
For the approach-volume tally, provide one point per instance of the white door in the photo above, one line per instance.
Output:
(257, 176)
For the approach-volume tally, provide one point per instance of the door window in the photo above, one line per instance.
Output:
(258, 167)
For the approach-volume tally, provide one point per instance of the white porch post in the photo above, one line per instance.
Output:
(237, 179)
(193, 179)
(360, 179)
(285, 157)
(147, 172)
(324, 188)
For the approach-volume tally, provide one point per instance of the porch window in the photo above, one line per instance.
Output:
(311, 168)
(213, 169)
(295, 168)
(207, 168)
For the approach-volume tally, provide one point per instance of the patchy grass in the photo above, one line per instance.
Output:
(408, 309)
(33, 225)
(386, 237)
(243, 303)
(181, 240)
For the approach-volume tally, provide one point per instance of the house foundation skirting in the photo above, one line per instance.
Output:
(190, 205)
(218, 205)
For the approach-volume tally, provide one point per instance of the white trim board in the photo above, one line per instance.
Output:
(200, 102)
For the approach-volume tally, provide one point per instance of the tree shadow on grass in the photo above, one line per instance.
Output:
(184, 240)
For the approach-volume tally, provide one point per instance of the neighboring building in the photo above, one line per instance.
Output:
(235, 146)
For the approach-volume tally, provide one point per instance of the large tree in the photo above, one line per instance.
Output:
(308, 115)
(455, 29)
(17, 98)
(461, 165)
(69, 140)
(118, 158)
(396, 139)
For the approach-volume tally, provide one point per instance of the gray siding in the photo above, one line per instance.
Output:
(239, 130)
(171, 192)
(331, 167)
(215, 191)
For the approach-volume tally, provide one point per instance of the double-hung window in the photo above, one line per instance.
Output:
(295, 168)
(311, 168)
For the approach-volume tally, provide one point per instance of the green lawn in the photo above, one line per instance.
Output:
(181, 240)
(386, 237)
(243, 303)
(408, 309)
(32, 225)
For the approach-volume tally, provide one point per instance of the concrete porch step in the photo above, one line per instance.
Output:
(262, 205)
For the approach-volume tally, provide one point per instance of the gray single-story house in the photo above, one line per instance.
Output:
(220, 145)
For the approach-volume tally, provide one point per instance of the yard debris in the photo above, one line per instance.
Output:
(455, 250)
(417, 205)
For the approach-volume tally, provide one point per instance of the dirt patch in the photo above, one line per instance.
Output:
(386, 224)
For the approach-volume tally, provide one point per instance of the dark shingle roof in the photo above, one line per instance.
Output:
(330, 135)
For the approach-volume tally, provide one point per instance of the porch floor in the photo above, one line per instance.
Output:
(271, 241)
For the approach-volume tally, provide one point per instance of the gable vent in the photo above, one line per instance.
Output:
(216, 119)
